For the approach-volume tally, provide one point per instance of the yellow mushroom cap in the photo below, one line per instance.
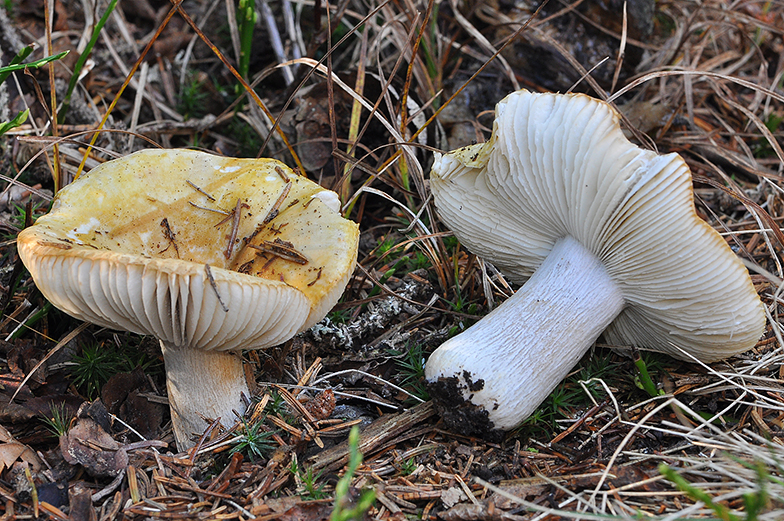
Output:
(152, 243)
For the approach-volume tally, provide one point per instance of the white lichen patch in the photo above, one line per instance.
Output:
(327, 329)
(380, 315)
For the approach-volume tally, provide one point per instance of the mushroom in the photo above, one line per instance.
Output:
(211, 255)
(605, 238)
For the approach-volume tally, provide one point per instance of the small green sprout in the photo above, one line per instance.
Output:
(255, 441)
(342, 511)
(59, 421)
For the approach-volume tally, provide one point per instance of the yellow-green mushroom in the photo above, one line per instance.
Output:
(211, 255)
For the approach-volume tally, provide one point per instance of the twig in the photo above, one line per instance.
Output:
(170, 236)
(282, 174)
(235, 225)
(215, 287)
(283, 249)
(192, 185)
(274, 210)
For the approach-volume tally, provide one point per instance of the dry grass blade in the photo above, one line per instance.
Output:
(677, 71)
(745, 200)
(375, 89)
(56, 173)
(136, 65)
(70, 336)
(344, 186)
(479, 37)
(252, 93)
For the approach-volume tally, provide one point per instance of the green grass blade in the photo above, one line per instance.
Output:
(17, 121)
(20, 56)
(644, 376)
(31, 321)
(341, 511)
(246, 16)
(723, 513)
(8, 69)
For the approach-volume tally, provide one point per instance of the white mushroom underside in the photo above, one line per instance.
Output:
(560, 166)
(180, 309)
(532, 341)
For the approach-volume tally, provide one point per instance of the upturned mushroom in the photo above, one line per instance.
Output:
(605, 238)
(211, 255)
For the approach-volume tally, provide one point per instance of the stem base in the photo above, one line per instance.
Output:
(495, 374)
(202, 385)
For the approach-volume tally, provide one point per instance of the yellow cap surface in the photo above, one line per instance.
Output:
(158, 243)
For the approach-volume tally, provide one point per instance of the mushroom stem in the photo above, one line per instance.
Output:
(202, 384)
(496, 373)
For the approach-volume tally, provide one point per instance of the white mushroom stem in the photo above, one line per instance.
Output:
(510, 361)
(202, 384)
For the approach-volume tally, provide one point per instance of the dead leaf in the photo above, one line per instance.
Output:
(473, 512)
(13, 412)
(452, 496)
(56, 494)
(627, 475)
(81, 504)
(293, 508)
(122, 395)
(322, 405)
(521, 490)
(87, 444)
(12, 451)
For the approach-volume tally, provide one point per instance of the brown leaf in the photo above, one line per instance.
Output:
(122, 397)
(14, 412)
(481, 512)
(521, 490)
(294, 509)
(12, 451)
(87, 444)
(322, 405)
(171, 43)
(625, 475)
(81, 505)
